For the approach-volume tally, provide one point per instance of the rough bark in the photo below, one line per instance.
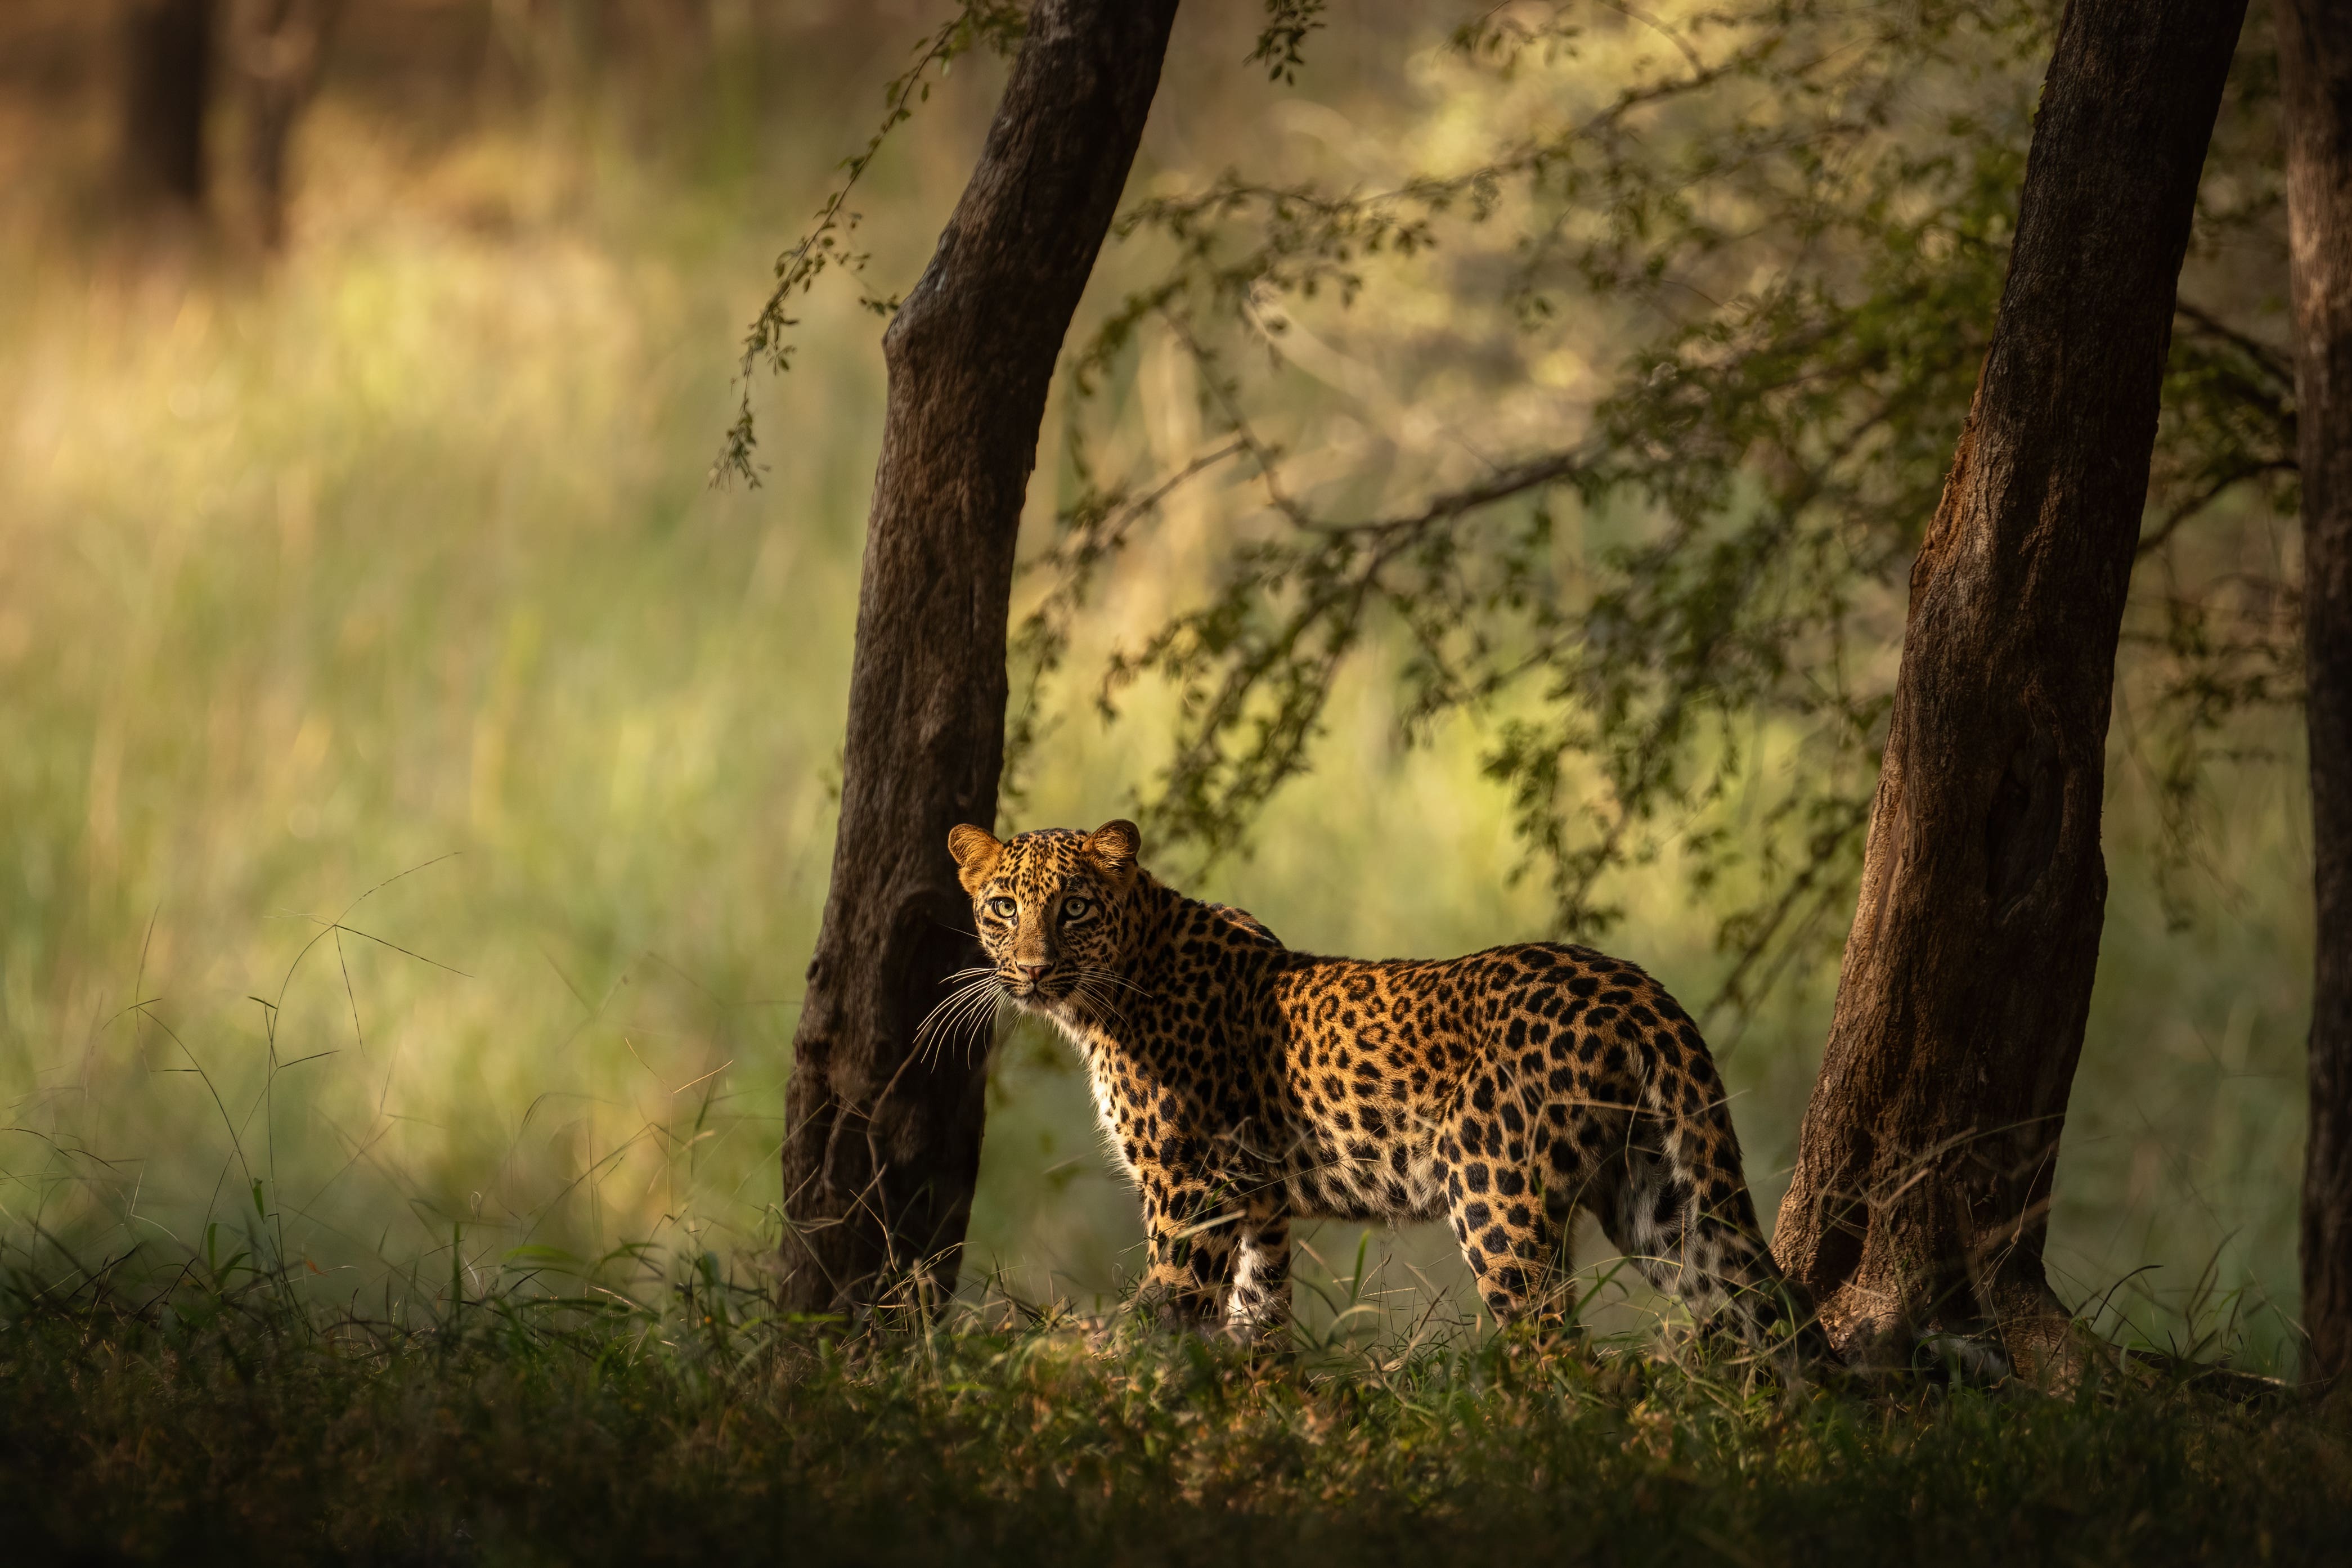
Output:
(1922, 1187)
(167, 92)
(2314, 44)
(881, 1148)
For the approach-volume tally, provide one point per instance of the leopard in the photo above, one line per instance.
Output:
(1243, 1087)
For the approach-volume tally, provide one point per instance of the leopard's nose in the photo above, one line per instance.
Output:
(1033, 972)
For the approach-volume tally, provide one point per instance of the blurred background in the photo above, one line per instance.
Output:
(418, 780)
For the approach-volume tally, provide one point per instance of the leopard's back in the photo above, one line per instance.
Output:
(1379, 1057)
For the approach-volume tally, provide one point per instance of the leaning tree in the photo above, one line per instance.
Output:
(167, 89)
(180, 59)
(2314, 44)
(882, 1148)
(1922, 1188)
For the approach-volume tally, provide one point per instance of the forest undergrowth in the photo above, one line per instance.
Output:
(222, 1412)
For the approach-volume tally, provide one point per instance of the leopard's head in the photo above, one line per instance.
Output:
(1054, 909)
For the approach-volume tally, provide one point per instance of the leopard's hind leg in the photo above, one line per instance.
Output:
(1513, 1178)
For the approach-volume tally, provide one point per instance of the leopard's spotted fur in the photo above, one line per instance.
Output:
(1243, 1084)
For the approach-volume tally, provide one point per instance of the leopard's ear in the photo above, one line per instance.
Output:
(1115, 846)
(976, 852)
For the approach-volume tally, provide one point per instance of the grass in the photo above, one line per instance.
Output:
(222, 1420)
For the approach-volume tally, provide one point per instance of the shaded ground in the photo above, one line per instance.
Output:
(238, 1424)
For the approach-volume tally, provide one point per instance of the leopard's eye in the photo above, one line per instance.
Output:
(1076, 908)
(1004, 908)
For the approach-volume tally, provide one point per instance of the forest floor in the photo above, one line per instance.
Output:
(236, 1423)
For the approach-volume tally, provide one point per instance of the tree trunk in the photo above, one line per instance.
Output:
(881, 1149)
(1922, 1187)
(2314, 45)
(280, 46)
(167, 89)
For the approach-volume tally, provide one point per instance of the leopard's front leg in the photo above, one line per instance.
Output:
(1260, 1304)
(1192, 1234)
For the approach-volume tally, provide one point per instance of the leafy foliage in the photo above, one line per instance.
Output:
(1281, 46)
(828, 245)
(1676, 602)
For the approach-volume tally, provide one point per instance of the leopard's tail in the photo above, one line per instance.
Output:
(1685, 1216)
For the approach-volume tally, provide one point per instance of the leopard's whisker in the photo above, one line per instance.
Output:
(949, 1000)
(1116, 979)
(977, 1003)
(984, 1006)
(935, 1022)
(1100, 978)
(985, 1022)
(986, 1034)
(1086, 990)
(976, 1017)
